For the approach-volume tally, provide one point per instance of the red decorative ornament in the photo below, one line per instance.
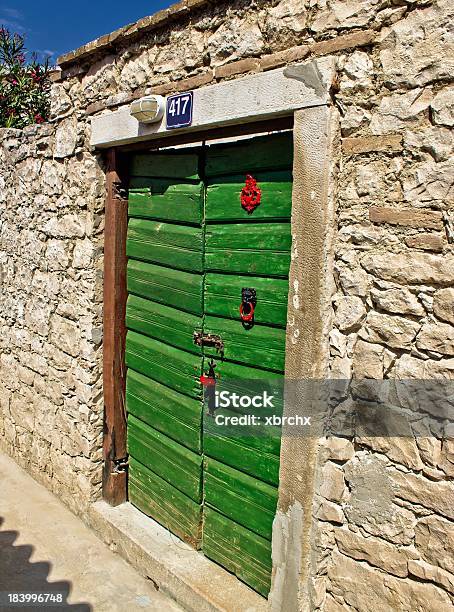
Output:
(251, 195)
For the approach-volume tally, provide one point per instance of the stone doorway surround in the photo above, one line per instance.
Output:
(301, 92)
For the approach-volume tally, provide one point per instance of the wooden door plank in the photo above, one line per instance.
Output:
(223, 199)
(170, 325)
(159, 499)
(174, 246)
(176, 415)
(249, 248)
(167, 365)
(166, 200)
(114, 441)
(223, 297)
(171, 287)
(171, 461)
(173, 164)
(257, 154)
(243, 499)
(239, 550)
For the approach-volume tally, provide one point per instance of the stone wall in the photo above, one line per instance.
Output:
(392, 313)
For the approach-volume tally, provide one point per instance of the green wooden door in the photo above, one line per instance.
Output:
(191, 249)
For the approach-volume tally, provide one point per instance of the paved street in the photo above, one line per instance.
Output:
(45, 549)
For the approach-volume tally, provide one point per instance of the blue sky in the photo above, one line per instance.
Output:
(53, 28)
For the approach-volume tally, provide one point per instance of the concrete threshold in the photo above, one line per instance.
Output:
(192, 580)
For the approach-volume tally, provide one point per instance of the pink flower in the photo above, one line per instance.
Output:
(39, 118)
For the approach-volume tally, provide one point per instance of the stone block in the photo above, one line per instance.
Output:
(332, 483)
(282, 58)
(350, 312)
(393, 331)
(397, 301)
(434, 540)
(375, 551)
(65, 335)
(238, 67)
(426, 242)
(365, 588)
(436, 496)
(443, 304)
(366, 144)
(342, 42)
(438, 337)
(410, 217)
(411, 268)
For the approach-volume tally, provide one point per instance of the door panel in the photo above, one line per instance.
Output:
(173, 164)
(253, 155)
(165, 364)
(165, 285)
(192, 248)
(260, 346)
(244, 499)
(171, 461)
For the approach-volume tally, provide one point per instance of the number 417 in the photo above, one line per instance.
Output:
(178, 106)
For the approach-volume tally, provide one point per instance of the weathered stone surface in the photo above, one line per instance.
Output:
(332, 482)
(410, 59)
(326, 510)
(434, 540)
(411, 268)
(373, 550)
(437, 141)
(394, 331)
(424, 570)
(350, 312)
(368, 360)
(381, 592)
(357, 70)
(438, 496)
(66, 138)
(443, 304)
(438, 337)
(396, 110)
(68, 226)
(336, 449)
(426, 219)
(371, 506)
(82, 254)
(443, 107)
(397, 301)
(65, 334)
(238, 67)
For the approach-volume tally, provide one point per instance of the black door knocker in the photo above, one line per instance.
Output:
(247, 307)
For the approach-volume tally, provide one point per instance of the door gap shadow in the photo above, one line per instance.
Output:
(20, 575)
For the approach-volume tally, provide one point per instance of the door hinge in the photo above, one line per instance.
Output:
(120, 465)
(201, 339)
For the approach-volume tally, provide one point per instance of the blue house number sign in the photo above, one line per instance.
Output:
(179, 110)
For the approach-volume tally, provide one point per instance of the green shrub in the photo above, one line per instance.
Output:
(24, 87)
